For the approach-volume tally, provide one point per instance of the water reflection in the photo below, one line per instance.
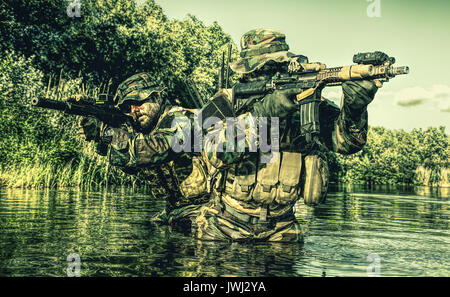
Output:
(236, 259)
(112, 232)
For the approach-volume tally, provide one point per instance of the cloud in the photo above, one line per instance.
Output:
(444, 106)
(441, 91)
(437, 95)
(412, 96)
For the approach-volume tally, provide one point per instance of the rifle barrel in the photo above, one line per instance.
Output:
(110, 116)
(399, 70)
(49, 103)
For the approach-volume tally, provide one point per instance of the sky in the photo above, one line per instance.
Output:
(415, 32)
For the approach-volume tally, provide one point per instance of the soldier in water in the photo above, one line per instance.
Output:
(145, 149)
(252, 199)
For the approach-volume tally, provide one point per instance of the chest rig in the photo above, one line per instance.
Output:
(298, 171)
(181, 182)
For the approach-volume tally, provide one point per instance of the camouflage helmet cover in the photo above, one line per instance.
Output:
(137, 89)
(259, 46)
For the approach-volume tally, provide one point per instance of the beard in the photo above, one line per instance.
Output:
(145, 123)
(146, 116)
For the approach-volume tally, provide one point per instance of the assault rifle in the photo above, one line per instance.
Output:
(311, 78)
(223, 82)
(308, 80)
(102, 109)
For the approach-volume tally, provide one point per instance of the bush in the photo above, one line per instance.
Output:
(399, 157)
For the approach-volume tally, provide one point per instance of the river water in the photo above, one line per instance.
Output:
(357, 232)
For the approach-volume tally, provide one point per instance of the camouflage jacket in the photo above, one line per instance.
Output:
(180, 177)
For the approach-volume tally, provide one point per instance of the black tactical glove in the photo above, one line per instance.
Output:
(277, 104)
(89, 128)
(357, 95)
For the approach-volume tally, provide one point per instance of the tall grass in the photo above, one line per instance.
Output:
(437, 177)
(92, 171)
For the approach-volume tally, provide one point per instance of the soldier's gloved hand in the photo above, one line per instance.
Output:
(277, 104)
(77, 97)
(357, 95)
(89, 128)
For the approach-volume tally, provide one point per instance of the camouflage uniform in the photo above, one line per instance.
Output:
(182, 175)
(180, 179)
(253, 200)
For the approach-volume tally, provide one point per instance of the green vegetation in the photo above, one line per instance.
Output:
(43, 51)
(42, 148)
(114, 39)
(418, 157)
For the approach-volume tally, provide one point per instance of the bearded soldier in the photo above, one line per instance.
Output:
(253, 199)
(145, 149)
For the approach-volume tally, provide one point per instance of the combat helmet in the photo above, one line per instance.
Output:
(136, 90)
(260, 46)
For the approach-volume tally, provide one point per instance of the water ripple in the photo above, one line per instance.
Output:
(112, 233)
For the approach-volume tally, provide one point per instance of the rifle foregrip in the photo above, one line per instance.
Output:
(356, 72)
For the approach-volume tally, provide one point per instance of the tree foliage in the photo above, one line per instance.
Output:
(115, 39)
(399, 157)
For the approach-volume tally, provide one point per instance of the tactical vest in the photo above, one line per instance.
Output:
(270, 190)
(254, 188)
(182, 181)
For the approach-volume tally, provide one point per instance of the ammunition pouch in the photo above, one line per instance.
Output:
(195, 185)
(289, 178)
(265, 189)
(264, 183)
(241, 179)
(316, 179)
